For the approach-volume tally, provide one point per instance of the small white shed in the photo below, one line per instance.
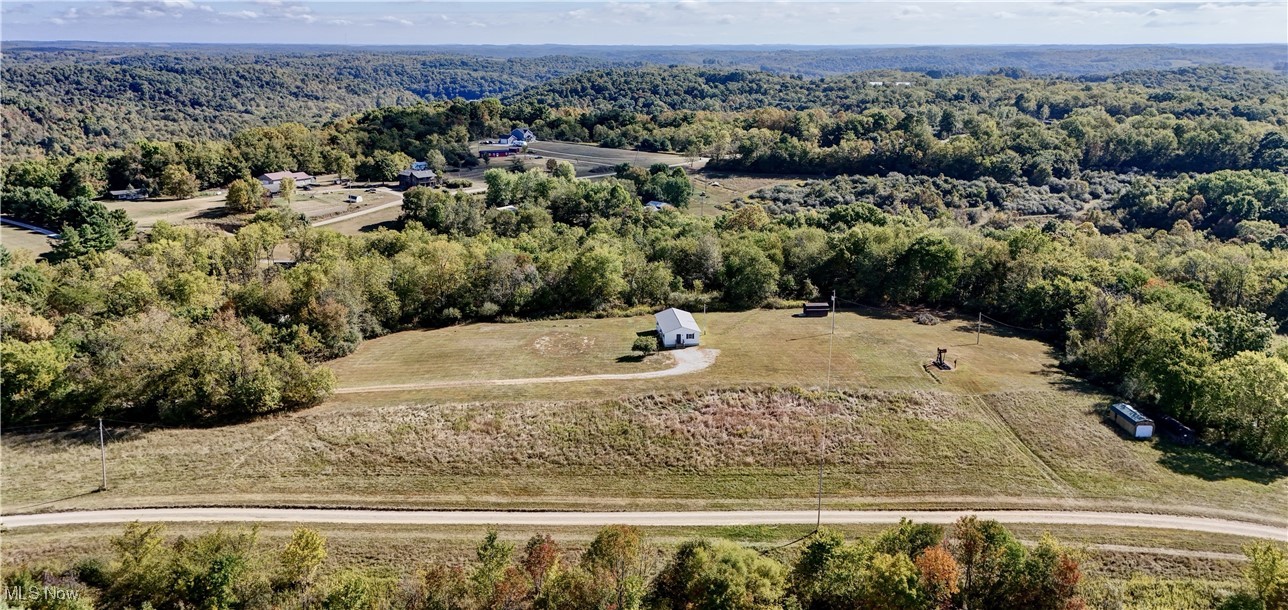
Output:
(1131, 420)
(677, 328)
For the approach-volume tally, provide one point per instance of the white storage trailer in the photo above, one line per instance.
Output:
(1131, 420)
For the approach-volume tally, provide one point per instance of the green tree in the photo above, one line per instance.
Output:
(178, 182)
(749, 277)
(1267, 574)
(1245, 401)
(595, 278)
(302, 557)
(717, 576)
(563, 170)
(32, 377)
(644, 345)
(615, 558)
(245, 195)
(287, 190)
(493, 558)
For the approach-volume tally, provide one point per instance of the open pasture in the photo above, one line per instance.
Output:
(1005, 430)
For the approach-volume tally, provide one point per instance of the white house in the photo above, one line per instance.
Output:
(677, 328)
(517, 137)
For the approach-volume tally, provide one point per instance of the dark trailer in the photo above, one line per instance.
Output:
(1176, 432)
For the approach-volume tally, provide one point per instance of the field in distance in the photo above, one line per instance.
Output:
(1006, 430)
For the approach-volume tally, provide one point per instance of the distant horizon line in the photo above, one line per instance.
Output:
(657, 46)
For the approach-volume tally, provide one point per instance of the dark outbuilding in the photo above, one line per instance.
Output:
(816, 310)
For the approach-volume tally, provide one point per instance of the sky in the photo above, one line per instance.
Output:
(640, 22)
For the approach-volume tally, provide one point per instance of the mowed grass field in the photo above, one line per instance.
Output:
(587, 157)
(716, 190)
(1004, 430)
(758, 348)
(15, 238)
(482, 352)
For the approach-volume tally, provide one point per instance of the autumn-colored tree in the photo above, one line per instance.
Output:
(178, 182)
(939, 573)
(540, 557)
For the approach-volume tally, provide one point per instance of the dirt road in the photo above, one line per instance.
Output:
(673, 519)
(686, 361)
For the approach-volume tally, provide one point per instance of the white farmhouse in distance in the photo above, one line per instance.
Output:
(677, 328)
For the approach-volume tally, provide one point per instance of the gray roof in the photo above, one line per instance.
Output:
(278, 176)
(418, 173)
(671, 320)
(1131, 413)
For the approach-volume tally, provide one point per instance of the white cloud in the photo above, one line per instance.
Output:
(134, 9)
(395, 20)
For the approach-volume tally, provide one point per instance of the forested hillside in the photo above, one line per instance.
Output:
(64, 101)
(62, 98)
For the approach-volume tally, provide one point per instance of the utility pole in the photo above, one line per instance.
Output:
(822, 437)
(830, 340)
(979, 323)
(102, 454)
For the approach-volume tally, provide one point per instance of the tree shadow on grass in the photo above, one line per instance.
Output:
(632, 358)
(392, 225)
(27, 507)
(71, 436)
(1211, 464)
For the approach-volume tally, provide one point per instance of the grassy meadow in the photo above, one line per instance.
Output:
(1006, 429)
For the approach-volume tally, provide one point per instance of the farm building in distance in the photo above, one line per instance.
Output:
(1131, 420)
(656, 206)
(677, 328)
(417, 177)
(272, 181)
(492, 153)
(129, 194)
(518, 137)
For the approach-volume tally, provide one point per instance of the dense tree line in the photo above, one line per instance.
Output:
(1012, 130)
(1061, 135)
(974, 564)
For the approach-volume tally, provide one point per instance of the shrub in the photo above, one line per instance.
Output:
(644, 345)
